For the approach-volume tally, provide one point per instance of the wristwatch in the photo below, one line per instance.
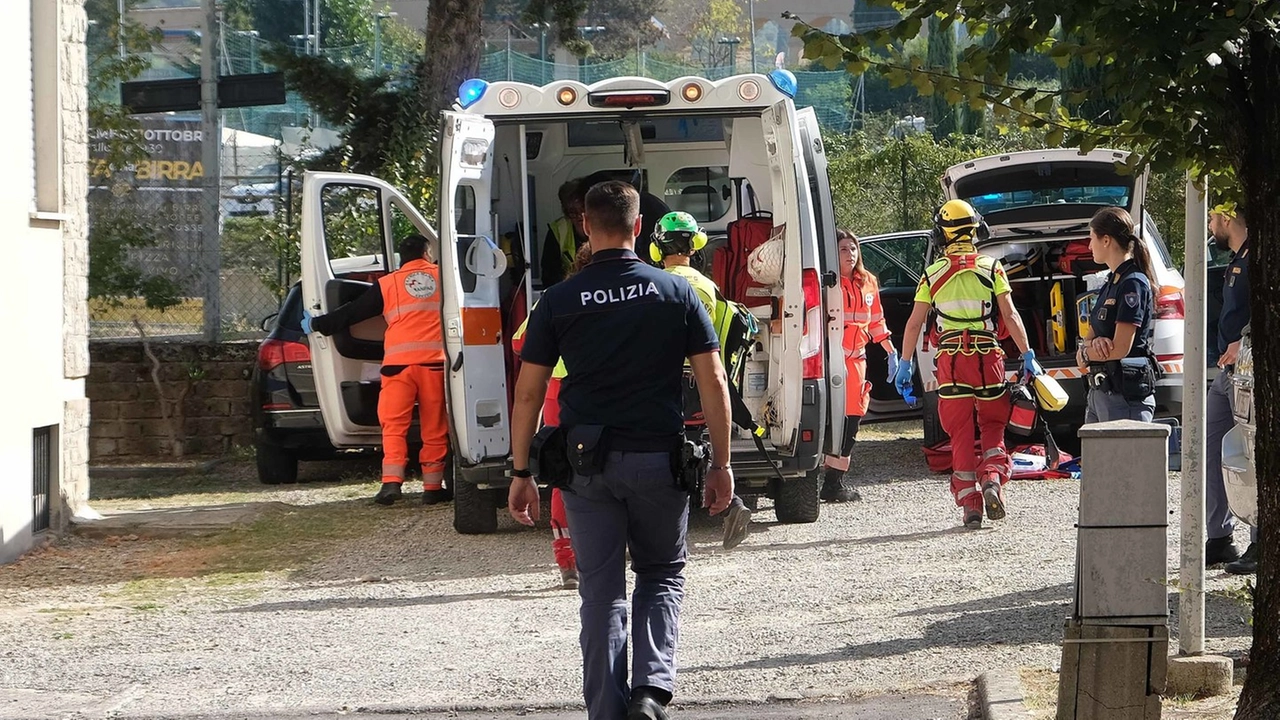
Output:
(726, 466)
(525, 473)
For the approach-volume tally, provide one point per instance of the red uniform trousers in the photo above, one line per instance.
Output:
(424, 385)
(972, 384)
(560, 542)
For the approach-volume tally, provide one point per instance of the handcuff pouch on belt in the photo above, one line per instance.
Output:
(690, 465)
(548, 457)
(587, 447)
(1131, 378)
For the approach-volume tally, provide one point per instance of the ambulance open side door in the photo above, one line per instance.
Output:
(786, 368)
(471, 267)
(348, 241)
(815, 160)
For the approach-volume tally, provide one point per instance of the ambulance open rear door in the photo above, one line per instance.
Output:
(471, 266)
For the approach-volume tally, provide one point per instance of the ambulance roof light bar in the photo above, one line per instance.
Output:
(470, 92)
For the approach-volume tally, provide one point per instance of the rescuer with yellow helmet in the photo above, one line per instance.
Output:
(963, 296)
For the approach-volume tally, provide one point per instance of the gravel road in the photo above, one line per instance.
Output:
(883, 594)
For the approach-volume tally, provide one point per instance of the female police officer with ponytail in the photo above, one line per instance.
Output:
(1117, 352)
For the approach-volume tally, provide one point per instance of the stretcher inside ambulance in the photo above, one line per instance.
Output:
(735, 153)
(1038, 205)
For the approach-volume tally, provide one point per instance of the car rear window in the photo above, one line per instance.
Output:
(290, 317)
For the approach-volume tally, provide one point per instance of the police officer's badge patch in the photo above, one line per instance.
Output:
(1131, 299)
(420, 284)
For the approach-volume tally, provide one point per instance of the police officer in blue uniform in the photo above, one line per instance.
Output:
(1117, 354)
(624, 330)
(1226, 222)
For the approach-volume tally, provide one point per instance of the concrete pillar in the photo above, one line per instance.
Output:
(1117, 641)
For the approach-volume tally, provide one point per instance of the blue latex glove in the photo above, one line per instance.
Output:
(893, 365)
(306, 321)
(902, 378)
(1030, 367)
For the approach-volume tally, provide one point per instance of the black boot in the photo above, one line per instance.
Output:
(834, 488)
(1219, 551)
(437, 496)
(648, 703)
(388, 493)
(1247, 564)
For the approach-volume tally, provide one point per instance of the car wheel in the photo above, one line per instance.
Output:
(474, 511)
(276, 465)
(798, 499)
(933, 432)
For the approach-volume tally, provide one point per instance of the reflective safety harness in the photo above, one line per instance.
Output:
(966, 341)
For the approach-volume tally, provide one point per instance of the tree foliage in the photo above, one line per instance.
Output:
(941, 56)
(1194, 86)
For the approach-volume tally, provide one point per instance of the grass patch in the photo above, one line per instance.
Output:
(1040, 696)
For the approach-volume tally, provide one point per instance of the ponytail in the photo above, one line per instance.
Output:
(1142, 256)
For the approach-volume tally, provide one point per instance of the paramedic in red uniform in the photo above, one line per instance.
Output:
(863, 324)
(967, 293)
(412, 366)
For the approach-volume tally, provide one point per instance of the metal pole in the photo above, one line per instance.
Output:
(120, 27)
(306, 27)
(1191, 574)
(751, 14)
(315, 20)
(508, 52)
(211, 141)
(377, 44)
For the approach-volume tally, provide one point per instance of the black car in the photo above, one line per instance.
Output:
(287, 423)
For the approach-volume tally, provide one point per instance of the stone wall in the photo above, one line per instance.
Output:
(73, 478)
(128, 421)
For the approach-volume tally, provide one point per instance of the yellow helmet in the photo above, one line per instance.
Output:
(957, 222)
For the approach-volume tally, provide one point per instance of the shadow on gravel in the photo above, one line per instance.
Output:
(1036, 624)
(235, 476)
(765, 546)
(363, 603)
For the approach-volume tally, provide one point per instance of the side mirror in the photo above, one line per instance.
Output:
(267, 321)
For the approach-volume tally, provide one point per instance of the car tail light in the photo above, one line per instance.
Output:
(811, 344)
(1170, 306)
(274, 353)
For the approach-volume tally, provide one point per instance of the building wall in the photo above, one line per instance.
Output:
(42, 227)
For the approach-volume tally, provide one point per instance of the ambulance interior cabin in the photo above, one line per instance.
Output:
(709, 165)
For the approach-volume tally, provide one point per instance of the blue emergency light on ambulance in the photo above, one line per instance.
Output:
(785, 82)
(470, 92)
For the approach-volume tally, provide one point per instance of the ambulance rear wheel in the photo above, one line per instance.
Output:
(798, 499)
(474, 511)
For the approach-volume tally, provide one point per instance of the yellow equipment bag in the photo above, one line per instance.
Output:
(1049, 393)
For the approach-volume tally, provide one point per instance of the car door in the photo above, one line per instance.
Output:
(897, 262)
(471, 268)
(815, 160)
(347, 223)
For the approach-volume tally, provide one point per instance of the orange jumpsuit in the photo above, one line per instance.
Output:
(413, 372)
(863, 325)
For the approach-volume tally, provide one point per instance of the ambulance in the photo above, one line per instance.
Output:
(734, 152)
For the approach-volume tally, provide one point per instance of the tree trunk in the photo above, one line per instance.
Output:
(454, 39)
(1258, 160)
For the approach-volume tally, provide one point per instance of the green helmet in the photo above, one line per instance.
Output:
(676, 233)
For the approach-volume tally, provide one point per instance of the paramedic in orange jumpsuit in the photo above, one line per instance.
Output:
(863, 324)
(412, 367)
(967, 292)
(561, 543)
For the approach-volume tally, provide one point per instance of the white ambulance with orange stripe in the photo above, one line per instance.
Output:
(1037, 205)
(724, 151)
